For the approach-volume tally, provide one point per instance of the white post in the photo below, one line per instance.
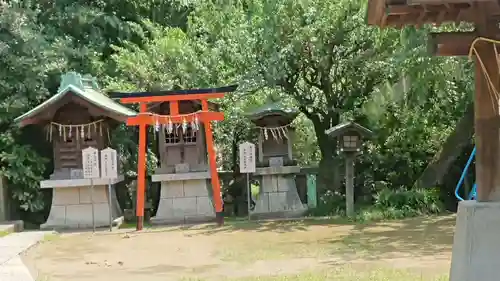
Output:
(92, 200)
(90, 161)
(247, 165)
(109, 170)
(249, 197)
(110, 207)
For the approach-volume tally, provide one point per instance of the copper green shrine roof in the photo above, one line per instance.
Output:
(272, 108)
(84, 87)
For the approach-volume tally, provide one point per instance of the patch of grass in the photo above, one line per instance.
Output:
(4, 233)
(311, 239)
(51, 237)
(258, 248)
(345, 273)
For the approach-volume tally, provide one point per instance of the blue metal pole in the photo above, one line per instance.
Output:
(464, 173)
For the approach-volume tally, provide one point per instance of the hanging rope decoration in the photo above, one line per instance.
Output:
(278, 133)
(494, 92)
(79, 131)
(172, 128)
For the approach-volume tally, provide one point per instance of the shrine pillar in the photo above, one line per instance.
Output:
(476, 247)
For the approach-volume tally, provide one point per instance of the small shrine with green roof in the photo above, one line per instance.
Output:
(275, 132)
(276, 168)
(78, 116)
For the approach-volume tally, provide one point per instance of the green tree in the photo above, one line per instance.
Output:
(320, 54)
(93, 27)
(30, 62)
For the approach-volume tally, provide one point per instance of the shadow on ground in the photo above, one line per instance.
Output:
(278, 226)
(425, 236)
(421, 236)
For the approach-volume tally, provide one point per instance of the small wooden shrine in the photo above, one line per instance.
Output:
(276, 168)
(77, 117)
(183, 170)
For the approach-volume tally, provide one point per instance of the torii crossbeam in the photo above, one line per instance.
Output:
(144, 118)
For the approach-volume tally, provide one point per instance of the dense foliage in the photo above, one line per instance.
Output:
(318, 56)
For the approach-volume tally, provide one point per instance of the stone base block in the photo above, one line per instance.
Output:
(72, 208)
(11, 226)
(186, 201)
(278, 195)
(476, 245)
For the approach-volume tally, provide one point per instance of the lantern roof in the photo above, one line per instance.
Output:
(82, 87)
(346, 127)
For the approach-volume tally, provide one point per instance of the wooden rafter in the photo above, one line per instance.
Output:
(419, 12)
(441, 2)
(452, 43)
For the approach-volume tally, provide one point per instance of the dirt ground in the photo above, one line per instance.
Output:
(242, 251)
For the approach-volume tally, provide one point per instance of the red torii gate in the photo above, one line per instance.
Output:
(144, 118)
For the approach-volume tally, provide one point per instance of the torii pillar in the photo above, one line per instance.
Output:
(476, 247)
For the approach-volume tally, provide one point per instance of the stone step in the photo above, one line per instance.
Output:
(11, 226)
(69, 165)
(68, 149)
(68, 156)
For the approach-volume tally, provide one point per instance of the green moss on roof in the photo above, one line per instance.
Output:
(85, 87)
(272, 108)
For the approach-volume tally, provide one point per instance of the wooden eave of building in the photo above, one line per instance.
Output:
(399, 13)
(453, 43)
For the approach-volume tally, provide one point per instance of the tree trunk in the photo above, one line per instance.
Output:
(328, 174)
(452, 148)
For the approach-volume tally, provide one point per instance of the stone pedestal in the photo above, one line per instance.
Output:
(278, 195)
(184, 198)
(72, 204)
(476, 245)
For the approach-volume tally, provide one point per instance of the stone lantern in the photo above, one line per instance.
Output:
(350, 137)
